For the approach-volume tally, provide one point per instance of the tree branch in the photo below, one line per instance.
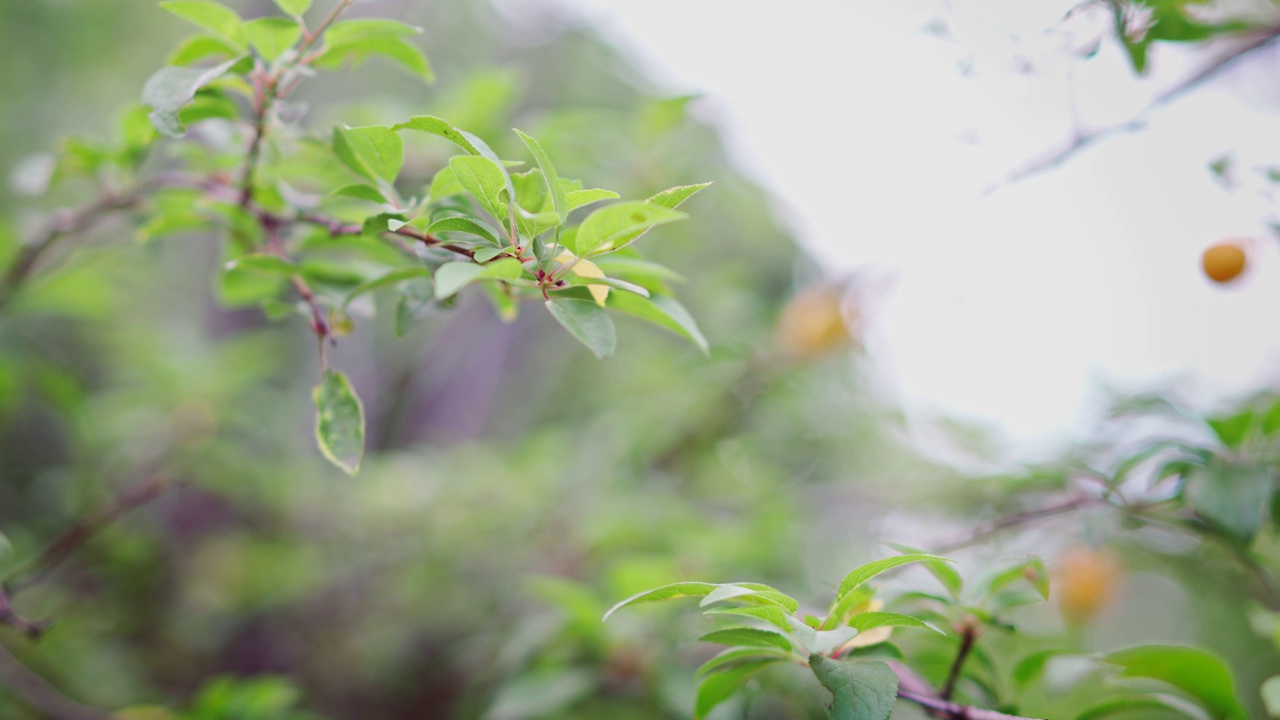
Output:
(1016, 519)
(39, 694)
(1058, 156)
(913, 688)
(968, 634)
(39, 568)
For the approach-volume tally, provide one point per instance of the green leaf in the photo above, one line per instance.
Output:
(214, 17)
(1199, 673)
(663, 311)
(1141, 706)
(748, 636)
(614, 226)
(559, 203)
(339, 421)
(453, 276)
(578, 198)
(356, 40)
(347, 31)
(861, 690)
(666, 592)
(484, 179)
(390, 278)
(436, 126)
(273, 264)
(942, 571)
(735, 656)
(172, 87)
(868, 620)
(717, 687)
(750, 591)
(871, 569)
(672, 197)
(362, 192)
(1234, 497)
(271, 36)
(1031, 667)
(199, 47)
(374, 151)
(293, 7)
(772, 614)
(824, 642)
(460, 224)
(444, 184)
(587, 322)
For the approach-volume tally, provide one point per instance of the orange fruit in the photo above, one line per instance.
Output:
(1223, 262)
(813, 324)
(1085, 581)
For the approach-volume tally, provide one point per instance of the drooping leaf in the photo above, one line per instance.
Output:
(587, 322)
(614, 226)
(1199, 673)
(374, 151)
(437, 126)
(738, 655)
(860, 690)
(671, 198)
(747, 591)
(271, 36)
(663, 311)
(460, 224)
(214, 17)
(666, 592)
(943, 572)
(339, 421)
(864, 573)
(173, 87)
(717, 687)
(868, 620)
(452, 277)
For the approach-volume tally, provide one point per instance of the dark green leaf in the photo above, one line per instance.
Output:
(735, 656)
(587, 322)
(1234, 497)
(1141, 706)
(772, 614)
(339, 421)
(749, 637)
(861, 690)
(460, 224)
(172, 87)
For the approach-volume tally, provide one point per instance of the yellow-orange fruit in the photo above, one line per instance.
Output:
(1223, 262)
(1085, 581)
(813, 324)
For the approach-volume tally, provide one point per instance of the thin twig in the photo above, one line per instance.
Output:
(39, 568)
(954, 711)
(1016, 519)
(1081, 140)
(39, 694)
(968, 634)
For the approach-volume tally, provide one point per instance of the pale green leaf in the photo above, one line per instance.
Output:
(452, 277)
(739, 655)
(749, 637)
(871, 569)
(484, 179)
(293, 7)
(199, 47)
(671, 198)
(362, 192)
(214, 17)
(578, 198)
(390, 278)
(339, 421)
(663, 311)
(173, 87)
(271, 36)
(666, 592)
(559, 203)
(868, 620)
(614, 226)
(437, 126)
(373, 151)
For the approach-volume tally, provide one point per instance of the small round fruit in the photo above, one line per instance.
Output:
(1085, 581)
(813, 324)
(1223, 262)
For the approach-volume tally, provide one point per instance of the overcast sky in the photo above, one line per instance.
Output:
(1011, 309)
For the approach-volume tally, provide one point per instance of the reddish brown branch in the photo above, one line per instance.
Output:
(968, 634)
(1016, 519)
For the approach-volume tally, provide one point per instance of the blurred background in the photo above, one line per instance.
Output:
(889, 320)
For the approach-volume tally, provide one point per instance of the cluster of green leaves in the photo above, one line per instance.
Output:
(318, 224)
(1140, 24)
(228, 698)
(762, 626)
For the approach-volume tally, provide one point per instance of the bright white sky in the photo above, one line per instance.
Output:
(1014, 309)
